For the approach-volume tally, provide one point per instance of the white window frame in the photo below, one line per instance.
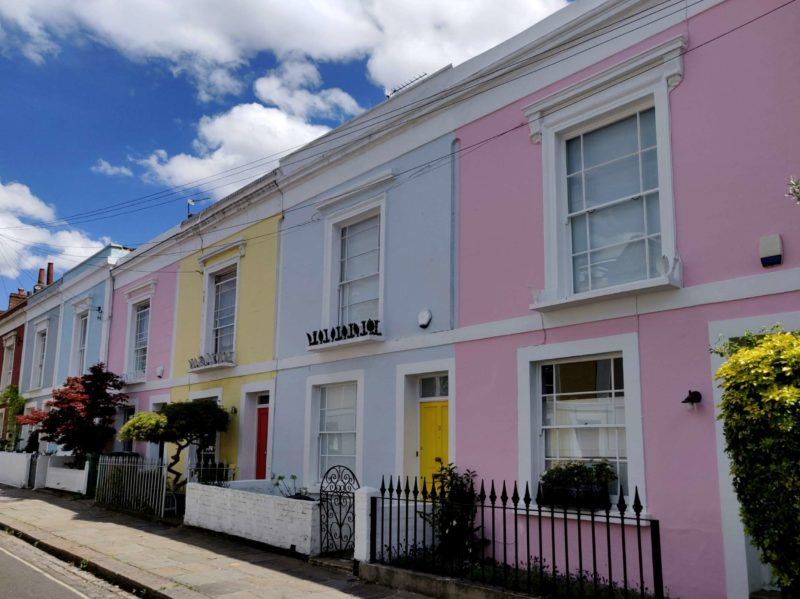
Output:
(137, 308)
(39, 364)
(209, 300)
(9, 347)
(530, 437)
(136, 297)
(311, 476)
(79, 365)
(332, 254)
(638, 83)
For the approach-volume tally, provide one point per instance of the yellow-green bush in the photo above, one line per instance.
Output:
(760, 411)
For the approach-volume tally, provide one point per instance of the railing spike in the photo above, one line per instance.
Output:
(433, 490)
(482, 493)
(399, 487)
(637, 503)
(424, 489)
(391, 486)
(383, 485)
(407, 490)
(539, 495)
(621, 505)
(416, 490)
(504, 494)
(492, 494)
(515, 495)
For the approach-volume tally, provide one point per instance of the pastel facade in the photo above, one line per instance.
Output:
(378, 246)
(12, 336)
(579, 278)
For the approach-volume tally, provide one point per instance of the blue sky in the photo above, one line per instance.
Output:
(107, 101)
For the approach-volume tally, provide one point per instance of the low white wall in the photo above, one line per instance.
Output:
(286, 523)
(14, 468)
(66, 479)
(41, 471)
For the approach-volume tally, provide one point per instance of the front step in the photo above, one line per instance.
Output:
(338, 564)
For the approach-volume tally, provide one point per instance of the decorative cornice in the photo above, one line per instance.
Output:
(382, 177)
(662, 61)
(142, 291)
(240, 243)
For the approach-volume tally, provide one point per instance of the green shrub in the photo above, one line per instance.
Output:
(760, 411)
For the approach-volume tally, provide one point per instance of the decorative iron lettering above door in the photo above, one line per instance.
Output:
(366, 328)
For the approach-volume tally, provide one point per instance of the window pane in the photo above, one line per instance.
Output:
(612, 181)
(647, 127)
(575, 192)
(548, 410)
(654, 251)
(653, 214)
(362, 237)
(609, 142)
(579, 240)
(650, 169)
(618, 265)
(574, 155)
(360, 266)
(619, 375)
(427, 387)
(580, 273)
(616, 224)
(444, 386)
(361, 290)
(587, 376)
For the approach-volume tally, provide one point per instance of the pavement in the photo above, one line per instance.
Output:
(157, 560)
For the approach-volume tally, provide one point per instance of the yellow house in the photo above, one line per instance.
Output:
(225, 334)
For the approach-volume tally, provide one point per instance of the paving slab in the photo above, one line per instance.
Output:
(166, 561)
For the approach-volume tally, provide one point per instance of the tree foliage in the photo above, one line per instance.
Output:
(184, 424)
(15, 404)
(760, 410)
(80, 417)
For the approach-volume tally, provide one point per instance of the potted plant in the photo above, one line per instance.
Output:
(292, 492)
(583, 485)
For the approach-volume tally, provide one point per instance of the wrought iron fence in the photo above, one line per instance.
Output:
(131, 483)
(218, 474)
(517, 542)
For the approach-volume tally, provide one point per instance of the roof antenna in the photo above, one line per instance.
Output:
(408, 83)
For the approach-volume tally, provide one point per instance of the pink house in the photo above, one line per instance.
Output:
(141, 334)
(621, 209)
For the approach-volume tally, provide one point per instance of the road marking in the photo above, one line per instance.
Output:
(43, 573)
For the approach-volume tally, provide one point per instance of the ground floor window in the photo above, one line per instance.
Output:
(583, 413)
(337, 426)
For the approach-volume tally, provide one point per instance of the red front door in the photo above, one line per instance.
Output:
(261, 443)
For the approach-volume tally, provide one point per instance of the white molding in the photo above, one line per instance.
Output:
(249, 389)
(42, 326)
(735, 543)
(375, 205)
(310, 465)
(241, 243)
(416, 369)
(136, 298)
(529, 409)
(213, 393)
(664, 60)
(81, 304)
(760, 285)
(333, 201)
(144, 291)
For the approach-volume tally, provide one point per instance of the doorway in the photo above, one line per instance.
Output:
(433, 425)
(262, 435)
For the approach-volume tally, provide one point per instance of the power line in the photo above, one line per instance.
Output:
(364, 123)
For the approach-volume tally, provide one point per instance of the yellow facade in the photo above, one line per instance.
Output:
(254, 325)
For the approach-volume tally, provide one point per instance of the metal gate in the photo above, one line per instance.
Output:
(337, 511)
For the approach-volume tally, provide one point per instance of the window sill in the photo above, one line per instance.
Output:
(648, 286)
(345, 342)
(599, 516)
(133, 378)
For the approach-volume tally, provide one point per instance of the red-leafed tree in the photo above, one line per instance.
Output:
(81, 414)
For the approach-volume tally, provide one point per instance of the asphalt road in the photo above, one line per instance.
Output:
(28, 573)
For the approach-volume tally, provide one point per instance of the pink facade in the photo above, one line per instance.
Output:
(159, 288)
(735, 139)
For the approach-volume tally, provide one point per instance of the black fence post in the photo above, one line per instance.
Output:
(373, 529)
(655, 548)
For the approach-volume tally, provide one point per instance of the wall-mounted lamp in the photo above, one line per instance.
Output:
(99, 310)
(692, 399)
(234, 411)
(160, 371)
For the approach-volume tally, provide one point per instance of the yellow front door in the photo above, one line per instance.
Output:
(432, 438)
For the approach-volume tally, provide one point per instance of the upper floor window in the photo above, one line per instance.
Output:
(224, 317)
(609, 225)
(141, 334)
(9, 346)
(82, 334)
(359, 271)
(40, 353)
(612, 203)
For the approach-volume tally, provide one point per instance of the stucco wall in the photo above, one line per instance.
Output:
(53, 318)
(68, 337)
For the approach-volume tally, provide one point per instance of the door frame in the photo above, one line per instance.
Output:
(248, 405)
(407, 410)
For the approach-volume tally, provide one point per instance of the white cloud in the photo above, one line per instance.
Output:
(246, 133)
(28, 239)
(211, 42)
(104, 168)
(284, 88)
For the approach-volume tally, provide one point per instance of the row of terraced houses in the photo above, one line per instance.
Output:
(518, 260)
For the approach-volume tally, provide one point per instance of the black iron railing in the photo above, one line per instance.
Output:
(517, 542)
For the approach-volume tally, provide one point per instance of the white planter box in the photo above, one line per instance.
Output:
(291, 524)
(66, 479)
(14, 468)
